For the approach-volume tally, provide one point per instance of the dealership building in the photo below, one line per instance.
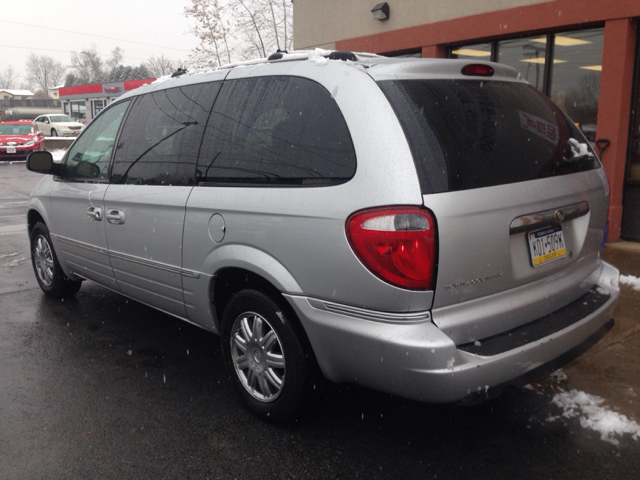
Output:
(83, 102)
(583, 54)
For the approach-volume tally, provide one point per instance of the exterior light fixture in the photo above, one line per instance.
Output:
(381, 11)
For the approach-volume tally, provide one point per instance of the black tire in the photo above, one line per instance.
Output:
(54, 133)
(52, 280)
(257, 376)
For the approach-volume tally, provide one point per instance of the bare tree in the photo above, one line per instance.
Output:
(160, 66)
(44, 72)
(213, 28)
(266, 26)
(41, 94)
(8, 78)
(87, 65)
(116, 58)
(241, 29)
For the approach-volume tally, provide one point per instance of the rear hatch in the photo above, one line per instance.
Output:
(518, 194)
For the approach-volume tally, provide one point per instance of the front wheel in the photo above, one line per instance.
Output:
(265, 354)
(52, 280)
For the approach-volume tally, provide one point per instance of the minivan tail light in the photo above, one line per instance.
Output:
(397, 244)
(478, 70)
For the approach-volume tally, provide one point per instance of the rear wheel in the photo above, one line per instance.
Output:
(265, 355)
(54, 133)
(49, 274)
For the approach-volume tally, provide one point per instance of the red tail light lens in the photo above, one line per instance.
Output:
(478, 70)
(396, 244)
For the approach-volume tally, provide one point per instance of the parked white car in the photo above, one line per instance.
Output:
(58, 125)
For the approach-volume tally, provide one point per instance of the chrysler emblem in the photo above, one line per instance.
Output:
(559, 215)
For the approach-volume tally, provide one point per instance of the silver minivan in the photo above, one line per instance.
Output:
(427, 228)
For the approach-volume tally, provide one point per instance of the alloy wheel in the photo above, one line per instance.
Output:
(44, 260)
(258, 356)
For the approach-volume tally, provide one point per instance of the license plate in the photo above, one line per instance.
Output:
(11, 149)
(546, 245)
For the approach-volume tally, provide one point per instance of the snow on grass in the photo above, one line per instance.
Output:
(631, 281)
(595, 417)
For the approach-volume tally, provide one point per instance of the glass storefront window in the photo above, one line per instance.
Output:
(98, 105)
(527, 55)
(575, 76)
(480, 51)
(571, 79)
(78, 110)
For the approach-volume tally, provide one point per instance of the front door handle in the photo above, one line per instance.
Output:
(95, 213)
(115, 216)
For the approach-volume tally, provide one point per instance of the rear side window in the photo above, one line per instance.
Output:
(276, 131)
(161, 136)
(467, 134)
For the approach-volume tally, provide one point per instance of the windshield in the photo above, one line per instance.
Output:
(15, 129)
(61, 118)
(466, 134)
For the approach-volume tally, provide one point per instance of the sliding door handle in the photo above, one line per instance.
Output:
(115, 217)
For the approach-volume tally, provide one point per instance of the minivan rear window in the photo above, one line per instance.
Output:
(467, 134)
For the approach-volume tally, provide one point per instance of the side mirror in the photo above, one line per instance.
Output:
(42, 162)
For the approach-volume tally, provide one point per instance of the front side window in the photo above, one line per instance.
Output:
(161, 137)
(276, 131)
(89, 157)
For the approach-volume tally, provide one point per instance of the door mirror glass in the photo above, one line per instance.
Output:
(42, 162)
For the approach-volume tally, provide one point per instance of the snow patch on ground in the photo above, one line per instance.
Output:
(57, 155)
(559, 376)
(594, 417)
(631, 281)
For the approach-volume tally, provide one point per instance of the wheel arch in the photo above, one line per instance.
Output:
(231, 280)
(34, 216)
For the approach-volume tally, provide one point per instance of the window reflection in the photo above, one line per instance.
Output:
(526, 55)
(575, 77)
(479, 51)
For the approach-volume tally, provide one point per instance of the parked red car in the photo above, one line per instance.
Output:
(18, 139)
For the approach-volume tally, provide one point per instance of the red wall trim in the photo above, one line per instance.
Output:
(131, 84)
(80, 89)
(554, 15)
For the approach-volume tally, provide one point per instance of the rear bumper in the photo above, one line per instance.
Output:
(411, 357)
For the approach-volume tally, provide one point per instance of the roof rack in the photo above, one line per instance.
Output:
(279, 56)
(284, 56)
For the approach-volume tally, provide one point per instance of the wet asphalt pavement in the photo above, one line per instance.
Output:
(99, 386)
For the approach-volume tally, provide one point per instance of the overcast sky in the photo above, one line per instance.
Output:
(142, 28)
